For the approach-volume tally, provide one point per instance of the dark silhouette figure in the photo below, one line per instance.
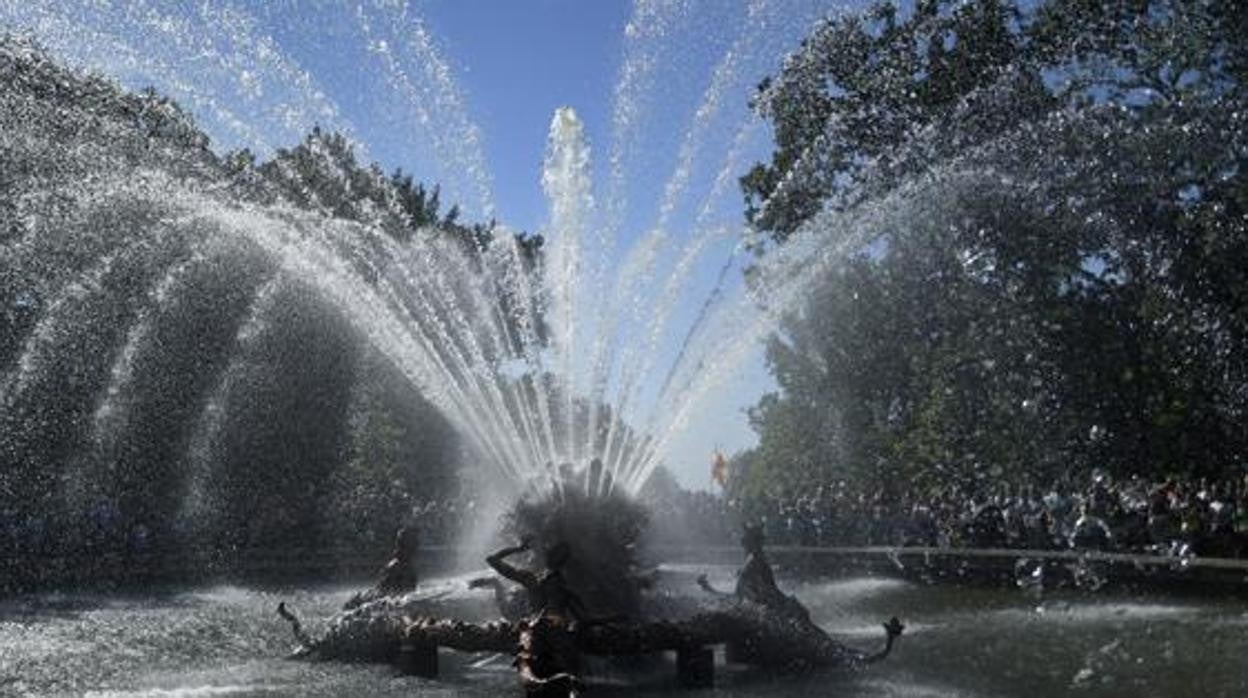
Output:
(547, 657)
(399, 574)
(756, 582)
(548, 592)
(892, 630)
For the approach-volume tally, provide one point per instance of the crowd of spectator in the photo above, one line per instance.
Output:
(1133, 515)
(1171, 517)
(100, 547)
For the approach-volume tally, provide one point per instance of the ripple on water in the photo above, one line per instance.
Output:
(850, 589)
(876, 631)
(1099, 612)
(191, 691)
(229, 595)
(225, 641)
(32, 644)
(901, 687)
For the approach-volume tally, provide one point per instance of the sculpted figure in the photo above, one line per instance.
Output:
(547, 592)
(762, 627)
(756, 581)
(398, 576)
(548, 657)
(756, 586)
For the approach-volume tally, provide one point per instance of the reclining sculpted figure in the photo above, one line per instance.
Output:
(756, 582)
(756, 587)
(761, 625)
(398, 576)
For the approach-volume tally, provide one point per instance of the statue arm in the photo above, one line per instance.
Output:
(498, 561)
(892, 629)
(491, 583)
(306, 644)
(706, 586)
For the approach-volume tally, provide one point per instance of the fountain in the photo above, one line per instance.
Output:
(216, 267)
(210, 358)
(142, 363)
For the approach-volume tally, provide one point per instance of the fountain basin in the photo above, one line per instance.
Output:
(975, 641)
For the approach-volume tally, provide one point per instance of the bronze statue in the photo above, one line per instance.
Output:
(398, 576)
(756, 582)
(547, 656)
(548, 592)
(761, 626)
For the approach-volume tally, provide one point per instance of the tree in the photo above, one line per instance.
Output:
(1045, 201)
(165, 380)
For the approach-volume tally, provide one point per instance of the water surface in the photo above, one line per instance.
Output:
(959, 642)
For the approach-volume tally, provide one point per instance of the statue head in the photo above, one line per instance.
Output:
(406, 541)
(752, 537)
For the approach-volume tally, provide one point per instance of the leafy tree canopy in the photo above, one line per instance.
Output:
(1047, 203)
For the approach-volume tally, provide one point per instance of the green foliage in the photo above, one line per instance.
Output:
(1052, 256)
(859, 87)
(252, 415)
(849, 103)
(322, 173)
(401, 452)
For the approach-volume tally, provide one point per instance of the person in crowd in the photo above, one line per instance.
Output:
(1208, 518)
(1090, 531)
(987, 527)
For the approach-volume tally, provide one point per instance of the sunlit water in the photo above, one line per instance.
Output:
(627, 331)
(959, 642)
(644, 311)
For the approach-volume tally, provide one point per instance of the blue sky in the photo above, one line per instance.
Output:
(461, 92)
(518, 62)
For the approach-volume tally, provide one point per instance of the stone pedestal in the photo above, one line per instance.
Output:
(419, 659)
(740, 652)
(695, 667)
